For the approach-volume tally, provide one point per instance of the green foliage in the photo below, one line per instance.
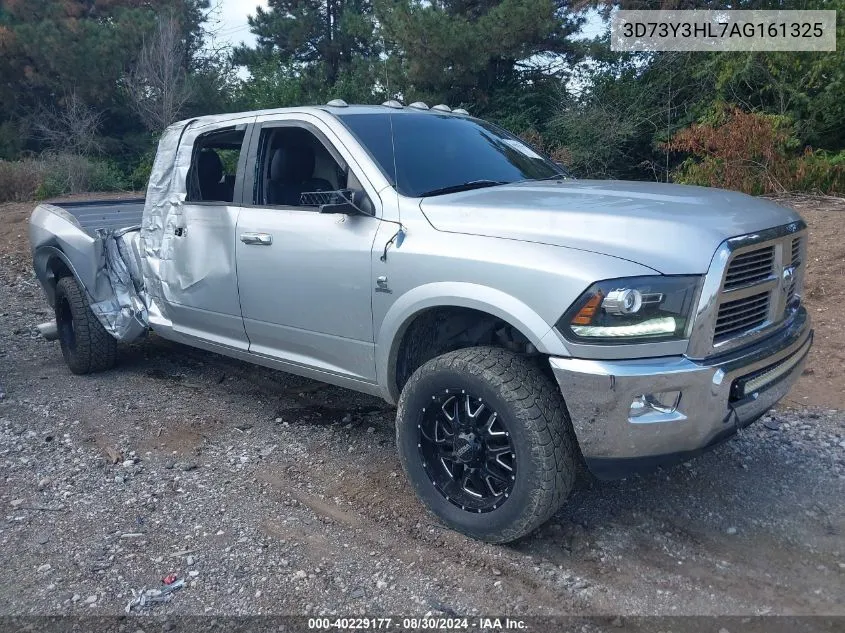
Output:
(53, 175)
(57, 52)
(312, 40)
(140, 175)
(465, 52)
(67, 173)
(273, 85)
(19, 180)
(627, 105)
(12, 137)
(606, 114)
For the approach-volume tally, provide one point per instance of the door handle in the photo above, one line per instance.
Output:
(259, 239)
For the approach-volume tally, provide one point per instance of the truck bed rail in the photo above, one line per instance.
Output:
(105, 214)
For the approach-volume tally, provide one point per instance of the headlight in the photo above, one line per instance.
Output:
(632, 310)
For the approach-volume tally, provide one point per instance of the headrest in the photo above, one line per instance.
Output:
(292, 163)
(209, 166)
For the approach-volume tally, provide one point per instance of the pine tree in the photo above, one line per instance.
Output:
(320, 38)
(465, 51)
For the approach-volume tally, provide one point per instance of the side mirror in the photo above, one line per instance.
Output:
(349, 203)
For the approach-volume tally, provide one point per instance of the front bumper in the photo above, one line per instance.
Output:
(712, 405)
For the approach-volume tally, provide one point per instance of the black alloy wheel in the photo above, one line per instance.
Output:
(485, 440)
(467, 451)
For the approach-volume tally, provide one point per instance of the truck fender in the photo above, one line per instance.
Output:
(455, 294)
(41, 262)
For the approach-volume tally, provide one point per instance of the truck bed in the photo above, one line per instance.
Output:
(105, 214)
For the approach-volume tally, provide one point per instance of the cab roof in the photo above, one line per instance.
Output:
(319, 109)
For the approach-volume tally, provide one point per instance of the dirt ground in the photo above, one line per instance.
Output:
(273, 494)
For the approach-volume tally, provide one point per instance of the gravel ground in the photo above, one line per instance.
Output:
(273, 494)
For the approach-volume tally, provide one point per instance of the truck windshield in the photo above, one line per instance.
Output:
(426, 154)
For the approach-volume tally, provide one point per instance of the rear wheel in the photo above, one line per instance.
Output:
(86, 346)
(484, 438)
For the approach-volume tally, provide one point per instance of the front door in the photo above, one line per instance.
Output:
(305, 277)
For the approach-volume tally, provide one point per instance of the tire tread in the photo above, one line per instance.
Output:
(96, 349)
(538, 402)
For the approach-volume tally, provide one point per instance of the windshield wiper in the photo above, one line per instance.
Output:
(465, 186)
(560, 176)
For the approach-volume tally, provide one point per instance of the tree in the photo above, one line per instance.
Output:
(51, 48)
(320, 38)
(158, 87)
(70, 127)
(613, 121)
(465, 51)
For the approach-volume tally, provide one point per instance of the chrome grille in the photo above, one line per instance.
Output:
(741, 315)
(796, 262)
(753, 286)
(749, 268)
(796, 251)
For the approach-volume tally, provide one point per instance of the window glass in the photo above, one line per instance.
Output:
(214, 166)
(422, 153)
(295, 169)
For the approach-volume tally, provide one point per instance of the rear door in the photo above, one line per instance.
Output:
(304, 277)
(199, 279)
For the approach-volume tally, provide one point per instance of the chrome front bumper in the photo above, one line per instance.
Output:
(712, 406)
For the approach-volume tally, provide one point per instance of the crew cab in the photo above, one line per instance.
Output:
(520, 319)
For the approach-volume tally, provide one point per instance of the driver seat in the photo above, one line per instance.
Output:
(291, 175)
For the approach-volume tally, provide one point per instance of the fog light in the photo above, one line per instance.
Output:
(660, 402)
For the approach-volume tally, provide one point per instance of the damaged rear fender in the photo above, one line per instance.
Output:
(50, 265)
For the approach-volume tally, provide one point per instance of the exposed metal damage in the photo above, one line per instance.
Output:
(134, 268)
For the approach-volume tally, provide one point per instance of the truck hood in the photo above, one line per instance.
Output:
(674, 229)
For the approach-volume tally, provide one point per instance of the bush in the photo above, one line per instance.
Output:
(755, 153)
(20, 180)
(560, 155)
(140, 176)
(53, 175)
(68, 173)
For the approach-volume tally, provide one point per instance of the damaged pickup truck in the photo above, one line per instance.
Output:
(522, 320)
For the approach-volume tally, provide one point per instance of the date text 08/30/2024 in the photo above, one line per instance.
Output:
(417, 624)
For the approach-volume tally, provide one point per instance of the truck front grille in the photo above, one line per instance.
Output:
(741, 315)
(749, 268)
(760, 289)
(796, 251)
(796, 262)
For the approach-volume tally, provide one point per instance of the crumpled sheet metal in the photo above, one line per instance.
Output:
(162, 211)
(133, 273)
(124, 312)
(166, 276)
(98, 265)
(125, 290)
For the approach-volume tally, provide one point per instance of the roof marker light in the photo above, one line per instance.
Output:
(337, 103)
(460, 111)
(441, 107)
(419, 105)
(393, 103)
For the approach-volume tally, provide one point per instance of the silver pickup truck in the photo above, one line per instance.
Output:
(521, 320)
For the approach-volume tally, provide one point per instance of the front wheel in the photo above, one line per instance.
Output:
(485, 440)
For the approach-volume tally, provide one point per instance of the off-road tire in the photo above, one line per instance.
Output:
(86, 345)
(540, 431)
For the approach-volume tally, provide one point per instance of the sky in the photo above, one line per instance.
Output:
(233, 28)
(232, 25)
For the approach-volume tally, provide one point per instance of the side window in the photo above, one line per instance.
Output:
(214, 166)
(295, 169)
